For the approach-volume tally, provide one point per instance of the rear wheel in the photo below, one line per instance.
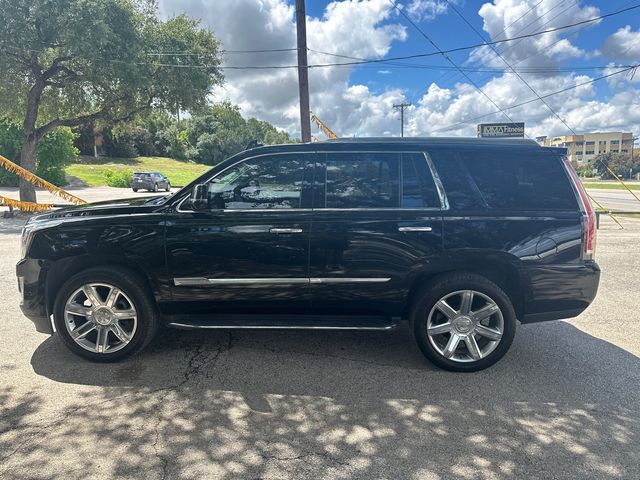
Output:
(463, 322)
(135, 189)
(105, 314)
(155, 187)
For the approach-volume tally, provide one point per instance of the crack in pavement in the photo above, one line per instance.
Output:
(196, 362)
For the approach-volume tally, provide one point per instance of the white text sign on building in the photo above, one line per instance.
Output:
(501, 130)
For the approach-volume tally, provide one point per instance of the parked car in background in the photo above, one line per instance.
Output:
(460, 237)
(152, 181)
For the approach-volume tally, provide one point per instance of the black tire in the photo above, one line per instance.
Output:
(129, 283)
(135, 189)
(168, 187)
(448, 284)
(155, 187)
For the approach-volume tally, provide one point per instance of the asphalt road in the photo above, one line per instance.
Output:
(563, 404)
(616, 199)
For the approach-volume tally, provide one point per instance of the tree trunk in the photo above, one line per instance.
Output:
(30, 141)
(28, 161)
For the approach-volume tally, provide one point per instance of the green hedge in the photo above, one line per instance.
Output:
(118, 178)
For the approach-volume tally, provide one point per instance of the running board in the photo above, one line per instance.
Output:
(282, 322)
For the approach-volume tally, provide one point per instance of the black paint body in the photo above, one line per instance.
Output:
(535, 256)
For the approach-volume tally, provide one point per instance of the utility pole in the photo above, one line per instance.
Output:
(401, 106)
(303, 71)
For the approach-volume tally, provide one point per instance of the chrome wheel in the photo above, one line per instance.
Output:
(465, 326)
(100, 318)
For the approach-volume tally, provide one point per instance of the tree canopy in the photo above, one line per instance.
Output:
(69, 62)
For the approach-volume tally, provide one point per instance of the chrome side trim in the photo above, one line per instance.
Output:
(444, 202)
(329, 280)
(188, 326)
(202, 281)
(415, 229)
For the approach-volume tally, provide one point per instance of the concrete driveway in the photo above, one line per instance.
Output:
(564, 403)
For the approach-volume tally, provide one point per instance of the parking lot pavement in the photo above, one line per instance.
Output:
(564, 403)
(90, 194)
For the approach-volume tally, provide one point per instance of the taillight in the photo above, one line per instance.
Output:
(588, 215)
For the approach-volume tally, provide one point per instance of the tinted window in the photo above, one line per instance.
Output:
(460, 190)
(264, 182)
(362, 180)
(508, 179)
(418, 187)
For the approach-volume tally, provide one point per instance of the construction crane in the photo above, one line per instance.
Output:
(322, 126)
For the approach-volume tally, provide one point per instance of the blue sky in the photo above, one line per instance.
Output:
(449, 30)
(358, 100)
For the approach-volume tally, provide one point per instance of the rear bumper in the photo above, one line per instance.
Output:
(31, 275)
(559, 291)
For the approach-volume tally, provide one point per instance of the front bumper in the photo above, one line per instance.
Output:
(560, 291)
(31, 284)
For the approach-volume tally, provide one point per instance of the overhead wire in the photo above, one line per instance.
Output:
(511, 68)
(477, 87)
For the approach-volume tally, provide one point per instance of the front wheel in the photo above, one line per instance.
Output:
(463, 322)
(105, 314)
(168, 187)
(134, 190)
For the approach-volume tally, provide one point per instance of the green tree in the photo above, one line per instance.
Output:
(70, 62)
(222, 131)
(54, 152)
(622, 164)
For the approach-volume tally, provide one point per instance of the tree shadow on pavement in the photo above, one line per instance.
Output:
(562, 404)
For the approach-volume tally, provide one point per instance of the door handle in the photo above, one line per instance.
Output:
(415, 229)
(285, 230)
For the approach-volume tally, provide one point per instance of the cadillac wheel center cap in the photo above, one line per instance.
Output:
(463, 324)
(103, 316)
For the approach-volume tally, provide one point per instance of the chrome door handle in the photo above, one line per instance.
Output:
(415, 229)
(285, 230)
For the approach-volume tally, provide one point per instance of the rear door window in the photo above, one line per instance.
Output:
(505, 179)
(362, 180)
(418, 186)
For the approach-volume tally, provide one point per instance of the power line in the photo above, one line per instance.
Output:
(508, 65)
(560, 3)
(573, 87)
(477, 87)
(368, 61)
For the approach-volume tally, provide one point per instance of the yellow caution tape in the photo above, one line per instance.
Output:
(24, 206)
(38, 182)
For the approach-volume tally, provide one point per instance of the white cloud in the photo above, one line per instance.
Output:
(420, 10)
(269, 24)
(623, 45)
(351, 109)
(511, 18)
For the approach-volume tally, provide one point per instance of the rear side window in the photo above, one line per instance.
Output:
(362, 180)
(418, 187)
(505, 179)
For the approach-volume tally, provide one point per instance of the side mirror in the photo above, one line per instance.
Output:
(199, 197)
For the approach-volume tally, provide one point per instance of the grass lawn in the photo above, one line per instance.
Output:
(179, 173)
(610, 186)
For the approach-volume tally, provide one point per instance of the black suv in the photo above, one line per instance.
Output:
(461, 237)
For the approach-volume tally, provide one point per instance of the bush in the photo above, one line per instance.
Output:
(55, 151)
(118, 178)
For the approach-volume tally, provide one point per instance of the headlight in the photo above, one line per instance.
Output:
(29, 231)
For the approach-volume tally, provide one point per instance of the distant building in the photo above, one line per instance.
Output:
(584, 148)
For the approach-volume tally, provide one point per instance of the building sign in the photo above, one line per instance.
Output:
(501, 130)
